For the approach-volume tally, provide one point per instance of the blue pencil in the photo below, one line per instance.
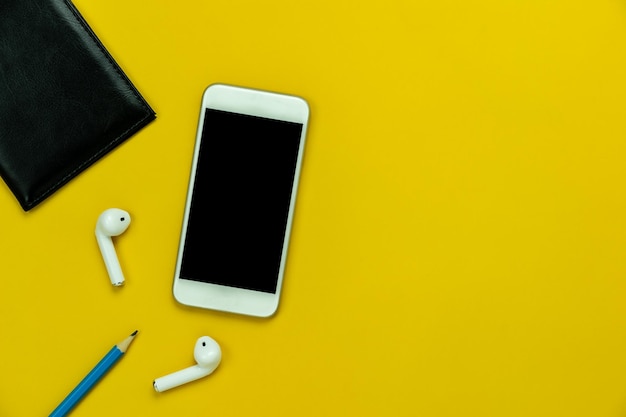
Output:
(93, 377)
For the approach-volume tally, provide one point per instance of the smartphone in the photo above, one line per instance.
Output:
(240, 201)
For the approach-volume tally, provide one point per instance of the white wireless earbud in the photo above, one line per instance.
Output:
(208, 355)
(112, 222)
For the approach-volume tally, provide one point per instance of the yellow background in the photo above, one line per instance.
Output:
(459, 237)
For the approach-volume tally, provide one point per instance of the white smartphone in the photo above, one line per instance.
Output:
(240, 202)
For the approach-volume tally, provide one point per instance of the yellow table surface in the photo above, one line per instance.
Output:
(459, 239)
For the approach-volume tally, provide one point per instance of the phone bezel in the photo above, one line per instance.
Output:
(252, 102)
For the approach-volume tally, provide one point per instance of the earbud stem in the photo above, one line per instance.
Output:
(181, 377)
(110, 259)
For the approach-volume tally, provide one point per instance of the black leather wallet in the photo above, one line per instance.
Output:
(64, 101)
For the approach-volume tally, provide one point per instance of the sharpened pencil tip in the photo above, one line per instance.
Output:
(134, 333)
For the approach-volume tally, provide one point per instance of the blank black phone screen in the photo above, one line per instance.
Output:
(240, 203)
